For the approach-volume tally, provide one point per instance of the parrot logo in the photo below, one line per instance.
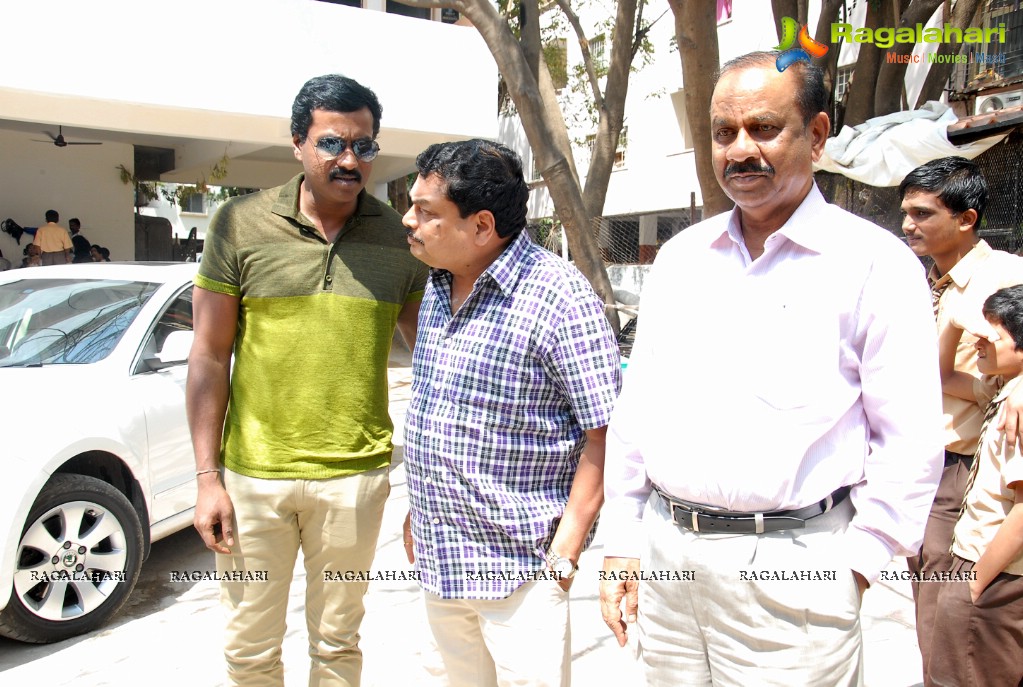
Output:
(807, 48)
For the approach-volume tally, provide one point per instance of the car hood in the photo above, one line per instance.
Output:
(52, 383)
(54, 406)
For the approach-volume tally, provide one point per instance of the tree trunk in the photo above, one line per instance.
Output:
(891, 76)
(966, 13)
(696, 32)
(543, 131)
(784, 8)
(612, 110)
(544, 124)
(860, 99)
(829, 15)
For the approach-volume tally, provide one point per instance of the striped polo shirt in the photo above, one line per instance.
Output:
(309, 382)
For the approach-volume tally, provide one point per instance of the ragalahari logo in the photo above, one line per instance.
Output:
(807, 48)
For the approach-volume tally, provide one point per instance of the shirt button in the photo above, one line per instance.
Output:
(428, 480)
(329, 278)
(436, 521)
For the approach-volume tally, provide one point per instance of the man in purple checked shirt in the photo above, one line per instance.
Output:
(515, 371)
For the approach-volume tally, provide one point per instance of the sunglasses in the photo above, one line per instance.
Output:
(365, 149)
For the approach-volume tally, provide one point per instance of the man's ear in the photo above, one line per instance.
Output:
(486, 227)
(968, 220)
(297, 149)
(819, 127)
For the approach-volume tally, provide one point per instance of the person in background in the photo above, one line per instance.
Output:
(31, 256)
(98, 253)
(978, 614)
(80, 245)
(943, 204)
(53, 241)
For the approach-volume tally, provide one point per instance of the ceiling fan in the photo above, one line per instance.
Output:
(60, 141)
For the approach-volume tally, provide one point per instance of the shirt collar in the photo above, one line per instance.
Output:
(505, 270)
(803, 228)
(967, 266)
(287, 203)
(1006, 389)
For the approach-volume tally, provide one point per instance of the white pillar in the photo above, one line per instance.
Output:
(648, 230)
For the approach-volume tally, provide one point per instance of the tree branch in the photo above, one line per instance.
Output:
(447, 4)
(584, 45)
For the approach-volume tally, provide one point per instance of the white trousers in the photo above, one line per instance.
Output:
(524, 639)
(767, 609)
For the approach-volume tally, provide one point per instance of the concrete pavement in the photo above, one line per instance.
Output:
(170, 632)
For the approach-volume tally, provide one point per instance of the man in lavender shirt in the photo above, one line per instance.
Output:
(515, 371)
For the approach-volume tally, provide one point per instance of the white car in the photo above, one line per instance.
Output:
(97, 457)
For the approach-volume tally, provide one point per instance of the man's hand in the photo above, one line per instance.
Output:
(214, 514)
(975, 589)
(613, 589)
(406, 537)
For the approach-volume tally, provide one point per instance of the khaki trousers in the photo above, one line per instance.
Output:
(335, 522)
(524, 639)
(730, 623)
(57, 257)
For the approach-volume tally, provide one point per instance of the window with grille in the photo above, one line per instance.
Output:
(194, 203)
(842, 81)
(597, 52)
(623, 144)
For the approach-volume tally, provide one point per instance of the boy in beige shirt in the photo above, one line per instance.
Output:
(980, 609)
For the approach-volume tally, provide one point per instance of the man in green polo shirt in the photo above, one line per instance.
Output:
(304, 285)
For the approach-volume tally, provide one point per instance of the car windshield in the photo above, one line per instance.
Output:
(66, 321)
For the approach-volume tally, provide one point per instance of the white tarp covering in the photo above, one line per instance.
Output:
(882, 150)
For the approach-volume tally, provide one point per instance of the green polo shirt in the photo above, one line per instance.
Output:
(309, 383)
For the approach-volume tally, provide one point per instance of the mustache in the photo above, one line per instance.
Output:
(338, 173)
(748, 168)
(412, 236)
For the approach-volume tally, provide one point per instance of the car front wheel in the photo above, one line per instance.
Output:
(77, 561)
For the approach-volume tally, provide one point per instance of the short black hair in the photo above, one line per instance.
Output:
(957, 182)
(52, 216)
(811, 96)
(480, 175)
(333, 93)
(1005, 306)
(74, 222)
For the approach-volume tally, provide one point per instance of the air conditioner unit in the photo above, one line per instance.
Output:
(998, 101)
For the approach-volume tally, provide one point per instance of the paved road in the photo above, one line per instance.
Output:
(170, 631)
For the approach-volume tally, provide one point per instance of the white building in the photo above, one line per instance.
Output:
(176, 86)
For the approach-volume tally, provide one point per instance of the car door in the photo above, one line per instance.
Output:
(161, 394)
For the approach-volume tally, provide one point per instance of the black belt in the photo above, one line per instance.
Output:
(953, 458)
(699, 518)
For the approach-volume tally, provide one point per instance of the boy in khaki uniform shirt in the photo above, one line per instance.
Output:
(980, 610)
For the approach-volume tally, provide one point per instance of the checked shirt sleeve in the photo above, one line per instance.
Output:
(584, 360)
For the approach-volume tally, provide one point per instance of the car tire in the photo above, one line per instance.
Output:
(78, 559)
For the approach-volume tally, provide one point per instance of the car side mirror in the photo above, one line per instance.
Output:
(174, 351)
